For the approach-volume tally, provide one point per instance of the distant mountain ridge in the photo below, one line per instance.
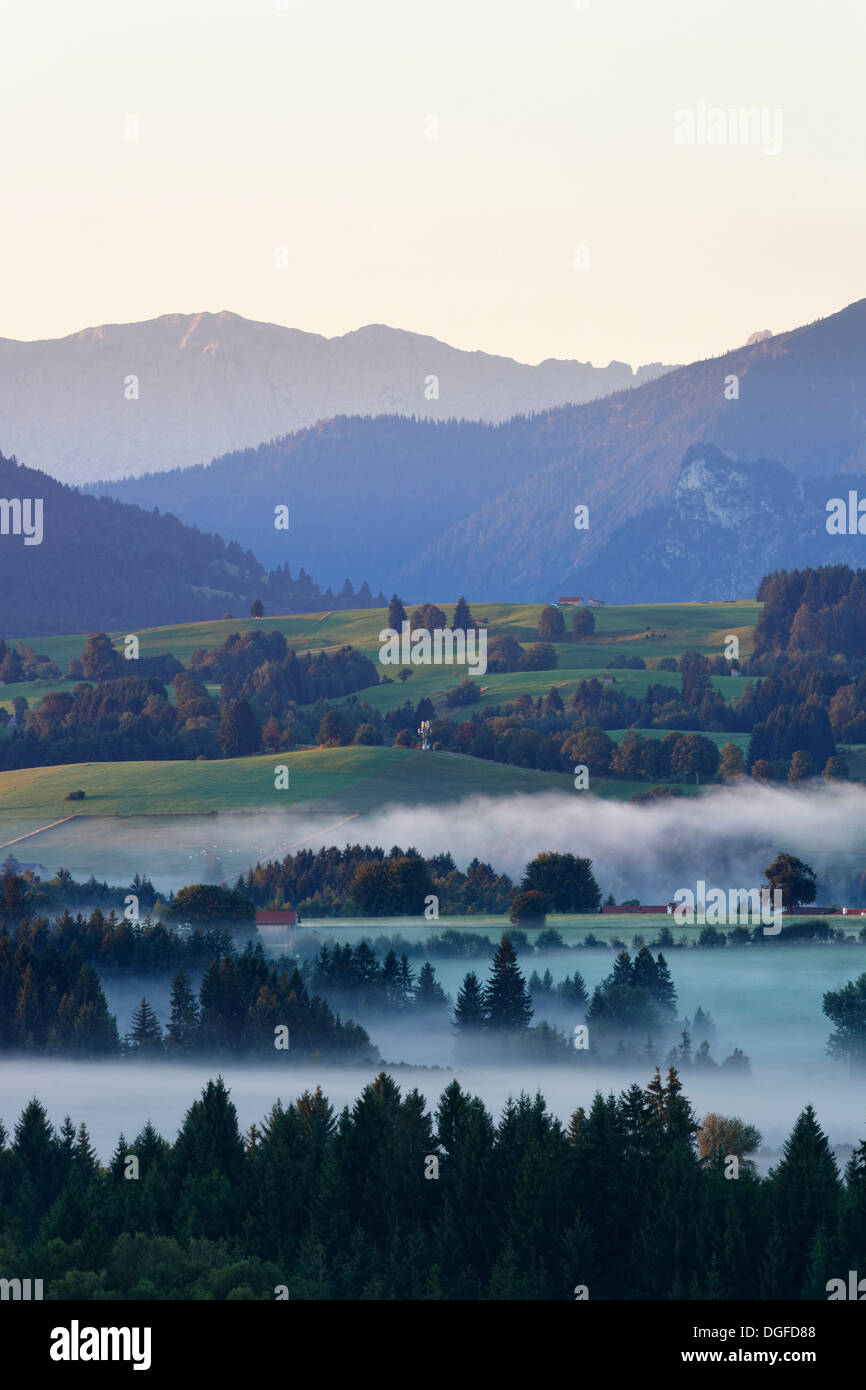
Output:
(449, 508)
(123, 399)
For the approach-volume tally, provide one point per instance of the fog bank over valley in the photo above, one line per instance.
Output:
(726, 837)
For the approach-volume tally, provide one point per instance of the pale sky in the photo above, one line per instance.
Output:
(303, 124)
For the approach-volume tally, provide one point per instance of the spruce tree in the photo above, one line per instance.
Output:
(396, 613)
(622, 971)
(573, 989)
(665, 993)
(117, 1162)
(429, 994)
(145, 1033)
(67, 1142)
(390, 979)
(406, 980)
(85, 1155)
(462, 619)
(183, 1024)
(506, 997)
(469, 1012)
(805, 1195)
(598, 1187)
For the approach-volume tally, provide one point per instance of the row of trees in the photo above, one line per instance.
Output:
(813, 610)
(504, 652)
(627, 1200)
(250, 1006)
(51, 1001)
(113, 944)
(367, 880)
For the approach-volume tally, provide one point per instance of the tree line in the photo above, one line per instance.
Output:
(52, 1002)
(375, 883)
(633, 1198)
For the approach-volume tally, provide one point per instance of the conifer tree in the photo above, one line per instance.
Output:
(117, 1162)
(665, 993)
(396, 613)
(506, 997)
(407, 980)
(805, 1195)
(429, 994)
(644, 971)
(622, 972)
(145, 1033)
(390, 979)
(67, 1142)
(462, 620)
(469, 1012)
(183, 1023)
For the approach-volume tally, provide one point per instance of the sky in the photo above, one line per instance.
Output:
(522, 178)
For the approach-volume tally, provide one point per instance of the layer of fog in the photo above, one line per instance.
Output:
(765, 1000)
(111, 1097)
(726, 837)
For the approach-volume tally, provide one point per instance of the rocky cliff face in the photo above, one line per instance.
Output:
(727, 524)
(798, 398)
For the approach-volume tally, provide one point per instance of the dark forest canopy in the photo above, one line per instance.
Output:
(313, 1205)
(365, 879)
(51, 1001)
(813, 611)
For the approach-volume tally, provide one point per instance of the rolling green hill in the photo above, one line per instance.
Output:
(354, 778)
(339, 779)
(651, 631)
(366, 778)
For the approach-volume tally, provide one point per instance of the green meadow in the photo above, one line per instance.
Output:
(353, 778)
(651, 631)
(363, 778)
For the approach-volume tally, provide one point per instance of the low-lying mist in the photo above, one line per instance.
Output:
(726, 837)
(111, 1097)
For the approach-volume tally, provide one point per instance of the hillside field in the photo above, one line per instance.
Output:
(651, 631)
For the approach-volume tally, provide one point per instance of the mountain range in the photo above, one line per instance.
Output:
(436, 509)
(123, 399)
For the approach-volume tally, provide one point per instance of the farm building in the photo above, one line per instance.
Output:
(595, 603)
(631, 907)
(569, 602)
(276, 920)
